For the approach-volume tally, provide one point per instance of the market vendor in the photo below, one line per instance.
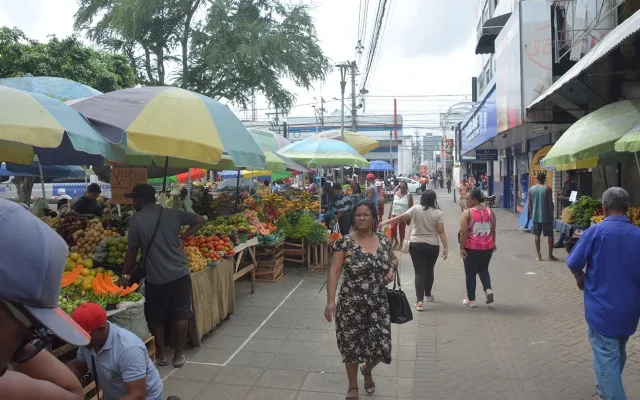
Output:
(88, 203)
(156, 230)
(563, 197)
(113, 348)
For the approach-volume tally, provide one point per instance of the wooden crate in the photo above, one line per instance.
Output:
(270, 262)
(318, 256)
(296, 251)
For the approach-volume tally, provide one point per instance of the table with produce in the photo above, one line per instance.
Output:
(583, 213)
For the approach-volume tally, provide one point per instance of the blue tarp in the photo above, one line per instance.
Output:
(379, 166)
(50, 171)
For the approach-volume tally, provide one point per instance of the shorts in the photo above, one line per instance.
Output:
(544, 228)
(168, 300)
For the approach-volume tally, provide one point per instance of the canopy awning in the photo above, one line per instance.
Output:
(626, 29)
(490, 30)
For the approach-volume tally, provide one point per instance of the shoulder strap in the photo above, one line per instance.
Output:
(94, 372)
(145, 255)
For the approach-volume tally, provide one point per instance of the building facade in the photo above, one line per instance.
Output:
(523, 47)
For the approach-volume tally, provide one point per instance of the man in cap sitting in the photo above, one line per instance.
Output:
(116, 356)
(31, 267)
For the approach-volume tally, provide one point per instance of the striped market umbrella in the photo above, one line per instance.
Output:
(318, 152)
(34, 124)
(174, 123)
(57, 88)
(361, 143)
(268, 140)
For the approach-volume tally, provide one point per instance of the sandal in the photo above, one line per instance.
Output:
(370, 388)
(180, 364)
(162, 363)
(352, 397)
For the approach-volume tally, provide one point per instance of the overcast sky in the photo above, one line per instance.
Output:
(427, 49)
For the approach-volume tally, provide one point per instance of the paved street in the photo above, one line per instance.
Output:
(530, 344)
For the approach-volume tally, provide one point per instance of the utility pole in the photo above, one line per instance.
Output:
(390, 149)
(343, 83)
(354, 124)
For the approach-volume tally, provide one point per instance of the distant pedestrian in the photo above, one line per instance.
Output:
(448, 183)
(541, 213)
(382, 198)
(563, 197)
(477, 245)
(463, 187)
(427, 231)
(611, 284)
(402, 201)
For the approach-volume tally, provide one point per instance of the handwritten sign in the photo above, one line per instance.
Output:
(123, 181)
(573, 196)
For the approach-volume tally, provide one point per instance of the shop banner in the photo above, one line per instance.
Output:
(123, 180)
(524, 60)
(486, 155)
(481, 127)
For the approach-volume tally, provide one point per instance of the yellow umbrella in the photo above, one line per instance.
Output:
(363, 144)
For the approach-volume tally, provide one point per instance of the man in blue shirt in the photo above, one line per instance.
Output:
(611, 284)
(119, 358)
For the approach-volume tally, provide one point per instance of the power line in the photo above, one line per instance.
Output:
(375, 39)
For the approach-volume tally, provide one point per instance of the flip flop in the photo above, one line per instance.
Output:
(553, 259)
(180, 364)
(538, 259)
(162, 363)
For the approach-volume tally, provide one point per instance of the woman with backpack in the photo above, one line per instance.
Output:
(427, 231)
(477, 245)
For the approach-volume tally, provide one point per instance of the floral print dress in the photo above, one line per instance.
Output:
(363, 325)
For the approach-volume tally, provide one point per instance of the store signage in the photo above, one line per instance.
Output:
(123, 181)
(481, 127)
(486, 155)
(537, 166)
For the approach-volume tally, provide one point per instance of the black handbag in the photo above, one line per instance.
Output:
(399, 307)
(140, 272)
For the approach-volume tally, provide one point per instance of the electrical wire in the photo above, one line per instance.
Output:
(375, 39)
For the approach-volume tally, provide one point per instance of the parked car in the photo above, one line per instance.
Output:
(412, 185)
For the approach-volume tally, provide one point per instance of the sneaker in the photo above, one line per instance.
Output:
(419, 306)
(470, 303)
(430, 299)
(489, 294)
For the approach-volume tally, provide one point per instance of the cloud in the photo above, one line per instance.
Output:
(429, 27)
(39, 18)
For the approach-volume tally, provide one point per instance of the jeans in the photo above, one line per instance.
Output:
(402, 225)
(609, 357)
(424, 257)
(477, 263)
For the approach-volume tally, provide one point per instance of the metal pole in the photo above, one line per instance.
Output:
(354, 125)
(390, 149)
(343, 84)
(44, 195)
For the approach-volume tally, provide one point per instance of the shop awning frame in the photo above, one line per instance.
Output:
(628, 28)
(490, 31)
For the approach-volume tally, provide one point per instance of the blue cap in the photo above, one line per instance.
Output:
(31, 266)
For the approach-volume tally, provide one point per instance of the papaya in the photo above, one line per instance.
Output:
(69, 278)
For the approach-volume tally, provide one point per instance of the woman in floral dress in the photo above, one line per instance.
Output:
(363, 326)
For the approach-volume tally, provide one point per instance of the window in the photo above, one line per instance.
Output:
(486, 12)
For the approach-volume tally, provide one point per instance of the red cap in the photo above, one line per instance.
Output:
(90, 316)
(371, 176)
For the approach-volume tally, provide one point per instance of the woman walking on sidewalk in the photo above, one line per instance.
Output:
(401, 203)
(427, 225)
(363, 325)
(477, 245)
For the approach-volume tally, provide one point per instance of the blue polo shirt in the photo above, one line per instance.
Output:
(122, 359)
(612, 280)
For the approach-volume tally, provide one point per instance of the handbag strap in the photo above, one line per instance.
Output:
(94, 372)
(145, 255)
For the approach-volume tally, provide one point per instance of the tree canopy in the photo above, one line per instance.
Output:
(233, 50)
(65, 58)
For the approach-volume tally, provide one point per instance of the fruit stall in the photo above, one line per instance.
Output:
(582, 214)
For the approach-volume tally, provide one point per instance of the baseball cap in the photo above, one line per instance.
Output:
(371, 176)
(32, 277)
(90, 316)
(143, 192)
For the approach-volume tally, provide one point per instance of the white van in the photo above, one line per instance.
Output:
(73, 189)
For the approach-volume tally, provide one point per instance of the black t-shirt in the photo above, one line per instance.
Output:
(566, 192)
(87, 206)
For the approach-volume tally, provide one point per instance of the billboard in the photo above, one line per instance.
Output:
(508, 78)
(524, 60)
(481, 126)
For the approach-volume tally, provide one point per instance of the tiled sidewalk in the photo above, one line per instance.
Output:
(531, 344)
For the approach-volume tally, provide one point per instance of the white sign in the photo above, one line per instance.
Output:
(573, 196)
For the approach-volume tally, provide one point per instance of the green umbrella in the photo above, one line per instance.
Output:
(595, 133)
(630, 141)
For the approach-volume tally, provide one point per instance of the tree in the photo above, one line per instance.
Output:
(66, 58)
(241, 48)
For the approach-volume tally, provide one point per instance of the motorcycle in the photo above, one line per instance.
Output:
(490, 201)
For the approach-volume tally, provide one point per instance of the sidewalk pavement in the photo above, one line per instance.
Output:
(530, 344)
